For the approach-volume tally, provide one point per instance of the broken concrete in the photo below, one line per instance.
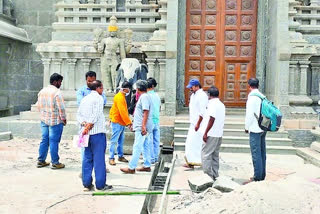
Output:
(225, 184)
(200, 182)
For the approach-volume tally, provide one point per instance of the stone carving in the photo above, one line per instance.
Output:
(109, 46)
(131, 70)
(231, 20)
(247, 4)
(8, 7)
(211, 19)
(231, 5)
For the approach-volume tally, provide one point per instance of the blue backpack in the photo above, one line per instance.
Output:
(270, 116)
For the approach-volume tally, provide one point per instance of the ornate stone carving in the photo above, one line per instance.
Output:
(210, 35)
(231, 20)
(211, 19)
(231, 35)
(210, 50)
(209, 81)
(109, 61)
(195, 49)
(195, 20)
(8, 7)
(210, 66)
(245, 51)
(247, 5)
(243, 67)
(247, 20)
(231, 77)
(195, 65)
(230, 67)
(195, 35)
(211, 4)
(230, 51)
(231, 4)
(196, 4)
(230, 86)
(245, 35)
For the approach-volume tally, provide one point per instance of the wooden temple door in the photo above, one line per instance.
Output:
(221, 46)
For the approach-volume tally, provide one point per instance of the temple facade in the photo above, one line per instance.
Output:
(219, 42)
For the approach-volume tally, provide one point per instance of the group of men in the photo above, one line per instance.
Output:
(207, 116)
(92, 121)
(206, 130)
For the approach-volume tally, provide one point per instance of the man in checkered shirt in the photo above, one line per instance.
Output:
(53, 118)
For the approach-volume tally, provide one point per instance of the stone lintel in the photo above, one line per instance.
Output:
(13, 32)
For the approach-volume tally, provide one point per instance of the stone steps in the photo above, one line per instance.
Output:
(234, 132)
(309, 155)
(235, 148)
(242, 140)
(229, 124)
(315, 146)
(5, 136)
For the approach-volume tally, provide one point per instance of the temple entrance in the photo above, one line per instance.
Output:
(221, 46)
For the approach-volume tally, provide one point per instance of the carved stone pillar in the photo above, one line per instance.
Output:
(46, 71)
(86, 66)
(162, 77)
(71, 74)
(98, 71)
(292, 76)
(304, 65)
(315, 88)
(151, 66)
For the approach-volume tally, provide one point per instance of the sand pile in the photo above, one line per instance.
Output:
(292, 194)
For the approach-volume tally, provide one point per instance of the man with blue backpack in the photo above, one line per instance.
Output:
(257, 136)
(261, 116)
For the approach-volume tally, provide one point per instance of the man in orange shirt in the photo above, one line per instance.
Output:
(119, 117)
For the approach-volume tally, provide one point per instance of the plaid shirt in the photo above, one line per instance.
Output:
(51, 106)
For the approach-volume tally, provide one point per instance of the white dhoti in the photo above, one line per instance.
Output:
(193, 147)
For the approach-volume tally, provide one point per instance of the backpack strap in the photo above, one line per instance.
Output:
(258, 95)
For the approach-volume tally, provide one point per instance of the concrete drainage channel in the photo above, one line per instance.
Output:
(160, 181)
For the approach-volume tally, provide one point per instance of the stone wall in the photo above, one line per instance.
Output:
(21, 69)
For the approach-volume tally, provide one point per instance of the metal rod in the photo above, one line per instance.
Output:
(164, 201)
(136, 193)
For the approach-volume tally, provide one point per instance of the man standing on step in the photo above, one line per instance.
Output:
(53, 118)
(119, 117)
(90, 116)
(212, 127)
(257, 136)
(142, 125)
(197, 107)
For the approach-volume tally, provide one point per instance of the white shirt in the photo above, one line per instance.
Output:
(253, 107)
(91, 111)
(216, 109)
(197, 105)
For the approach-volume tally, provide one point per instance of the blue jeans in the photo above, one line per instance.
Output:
(116, 137)
(51, 136)
(94, 157)
(258, 152)
(154, 143)
(140, 145)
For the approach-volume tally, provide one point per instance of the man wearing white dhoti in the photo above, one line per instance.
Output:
(197, 107)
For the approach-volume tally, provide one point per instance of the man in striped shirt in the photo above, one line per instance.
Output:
(90, 115)
(53, 118)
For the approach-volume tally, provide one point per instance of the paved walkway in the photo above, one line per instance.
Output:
(27, 189)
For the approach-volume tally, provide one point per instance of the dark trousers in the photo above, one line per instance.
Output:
(258, 152)
(94, 157)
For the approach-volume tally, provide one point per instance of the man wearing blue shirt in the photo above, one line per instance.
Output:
(85, 90)
(154, 135)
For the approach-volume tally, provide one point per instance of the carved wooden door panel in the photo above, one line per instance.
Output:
(221, 46)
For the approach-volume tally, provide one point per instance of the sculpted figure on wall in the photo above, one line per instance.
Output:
(109, 46)
(8, 7)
